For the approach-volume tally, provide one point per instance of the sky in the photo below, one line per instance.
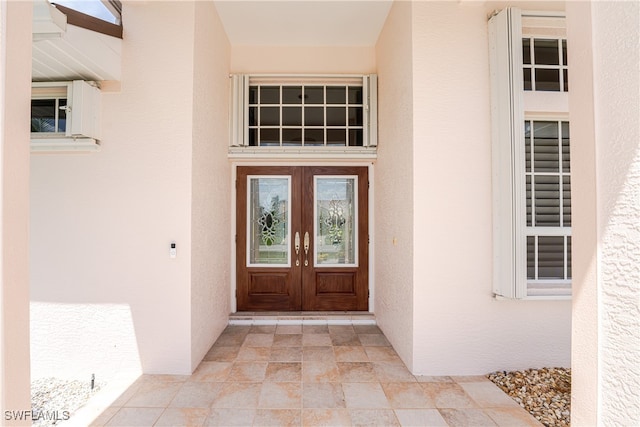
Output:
(90, 7)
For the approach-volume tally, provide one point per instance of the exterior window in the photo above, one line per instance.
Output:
(49, 115)
(548, 200)
(530, 155)
(545, 64)
(304, 113)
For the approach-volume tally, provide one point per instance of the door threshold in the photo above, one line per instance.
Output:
(302, 318)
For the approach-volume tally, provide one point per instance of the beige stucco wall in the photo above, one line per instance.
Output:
(605, 100)
(15, 33)
(394, 239)
(103, 222)
(458, 328)
(211, 183)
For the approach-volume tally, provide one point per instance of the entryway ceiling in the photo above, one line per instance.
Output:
(303, 22)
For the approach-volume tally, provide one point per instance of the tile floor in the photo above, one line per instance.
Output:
(311, 375)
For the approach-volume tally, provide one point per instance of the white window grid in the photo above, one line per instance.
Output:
(354, 134)
(533, 66)
(60, 107)
(534, 232)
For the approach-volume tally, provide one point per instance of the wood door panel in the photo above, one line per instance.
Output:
(336, 284)
(268, 283)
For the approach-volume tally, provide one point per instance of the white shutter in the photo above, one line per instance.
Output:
(370, 96)
(507, 116)
(84, 103)
(239, 130)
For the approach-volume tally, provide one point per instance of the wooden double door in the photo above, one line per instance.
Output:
(302, 238)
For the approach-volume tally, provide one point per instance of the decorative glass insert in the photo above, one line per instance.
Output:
(49, 115)
(335, 216)
(306, 115)
(548, 192)
(268, 226)
(545, 64)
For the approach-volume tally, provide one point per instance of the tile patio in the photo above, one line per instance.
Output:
(311, 375)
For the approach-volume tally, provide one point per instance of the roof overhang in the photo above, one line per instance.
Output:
(68, 45)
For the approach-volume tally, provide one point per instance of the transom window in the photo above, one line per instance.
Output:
(332, 115)
(545, 64)
(312, 115)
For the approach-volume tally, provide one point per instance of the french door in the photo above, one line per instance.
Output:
(302, 238)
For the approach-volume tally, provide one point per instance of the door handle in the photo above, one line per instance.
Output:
(306, 248)
(297, 243)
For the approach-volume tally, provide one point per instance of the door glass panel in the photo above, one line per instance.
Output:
(268, 224)
(335, 214)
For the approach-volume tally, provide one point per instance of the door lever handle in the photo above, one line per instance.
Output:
(306, 248)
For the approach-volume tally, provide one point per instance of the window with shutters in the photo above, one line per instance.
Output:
(531, 155)
(304, 114)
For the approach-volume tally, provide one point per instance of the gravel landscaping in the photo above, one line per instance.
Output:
(545, 393)
(51, 397)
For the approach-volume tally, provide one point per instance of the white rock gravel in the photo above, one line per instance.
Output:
(51, 397)
(545, 393)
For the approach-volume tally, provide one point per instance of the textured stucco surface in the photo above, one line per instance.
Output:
(459, 328)
(211, 188)
(394, 215)
(15, 88)
(616, 81)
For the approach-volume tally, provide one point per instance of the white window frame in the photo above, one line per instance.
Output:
(82, 118)
(239, 117)
(510, 107)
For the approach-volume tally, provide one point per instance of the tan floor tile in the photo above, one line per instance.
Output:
(350, 354)
(374, 340)
(132, 417)
(283, 371)
(287, 340)
(221, 354)
(325, 417)
(345, 339)
(507, 417)
(318, 354)
(154, 378)
(364, 395)
(322, 395)
(212, 371)
(278, 417)
(316, 340)
(320, 371)
(289, 329)
(466, 417)
(248, 371)
(393, 372)
(431, 379)
(262, 329)
(154, 395)
(286, 354)
(230, 340)
(341, 329)
(407, 395)
(357, 372)
(469, 378)
(386, 354)
(373, 417)
(255, 354)
(315, 329)
(448, 395)
(488, 395)
(187, 417)
(281, 395)
(238, 395)
(104, 417)
(230, 417)
(420, 418)
(367, 329)
(126, 395)
(196, 395)
(258, 340)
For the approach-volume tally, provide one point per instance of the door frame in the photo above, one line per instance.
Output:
(234, 193)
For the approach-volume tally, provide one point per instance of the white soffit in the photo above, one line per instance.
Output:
(61, 51)
(303, 22)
